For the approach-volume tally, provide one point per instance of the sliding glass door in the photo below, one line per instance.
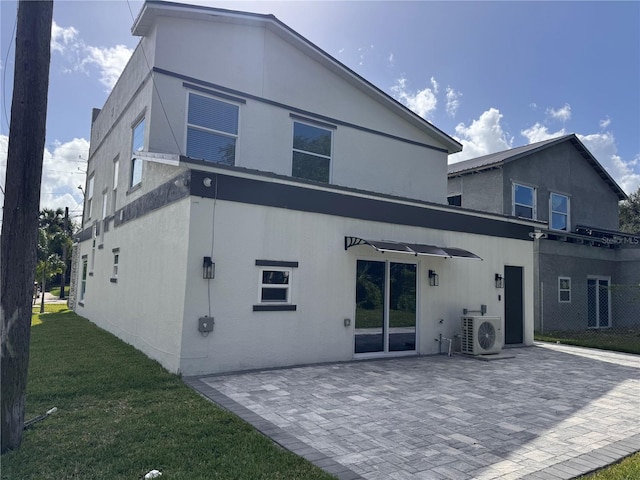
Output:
(385, 307)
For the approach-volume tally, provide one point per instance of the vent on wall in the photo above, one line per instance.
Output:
(482, 335)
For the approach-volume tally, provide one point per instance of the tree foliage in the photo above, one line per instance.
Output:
(630, 214)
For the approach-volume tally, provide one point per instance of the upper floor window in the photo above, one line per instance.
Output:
(455, 200)
(559, 214)
(116, 168)
(212, 129)
(137, 144)
(89, 197)
(524, 201)
(311, 152)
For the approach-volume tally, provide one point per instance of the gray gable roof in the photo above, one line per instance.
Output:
(496, 160)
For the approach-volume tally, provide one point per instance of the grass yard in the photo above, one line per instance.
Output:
(620, 340)
(627, 469)
(121, 415)
(55, 291)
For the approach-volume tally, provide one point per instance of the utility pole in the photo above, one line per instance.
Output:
(21, 206)
(64, 253)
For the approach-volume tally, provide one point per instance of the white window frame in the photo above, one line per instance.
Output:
(561, 290)
(286, 286)
(116, 263)
(533, 207)
(105, 204)
(329, 129)
(188, 125)
(90, 196)
(136, 161)
(83, 277)
(552, 211)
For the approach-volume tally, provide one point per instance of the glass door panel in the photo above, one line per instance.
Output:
(592, 301)
(402, 307)
(370, 306)
(598, 303)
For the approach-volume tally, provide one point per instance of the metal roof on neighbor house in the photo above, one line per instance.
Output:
(153, 8)
(496, 160)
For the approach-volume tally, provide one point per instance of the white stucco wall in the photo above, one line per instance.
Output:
(145, 307)
(323, 285)
(255, 62)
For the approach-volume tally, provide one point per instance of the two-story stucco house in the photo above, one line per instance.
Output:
(252, 202)
(579, 254)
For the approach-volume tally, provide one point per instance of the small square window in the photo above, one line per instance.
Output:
(564, 289)
(455, 200)
(275, 286)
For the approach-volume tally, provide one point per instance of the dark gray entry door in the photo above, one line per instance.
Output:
(513, 306)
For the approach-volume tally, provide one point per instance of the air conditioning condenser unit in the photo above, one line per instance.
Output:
(482, 335)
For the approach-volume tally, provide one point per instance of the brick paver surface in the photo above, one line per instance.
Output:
(551, 412)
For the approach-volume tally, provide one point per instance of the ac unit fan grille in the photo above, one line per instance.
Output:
(486, 335)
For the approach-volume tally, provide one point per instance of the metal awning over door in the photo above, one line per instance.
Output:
(416, 249)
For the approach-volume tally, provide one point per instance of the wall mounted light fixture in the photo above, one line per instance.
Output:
(499, 281)
(434, 280)
(208, 268)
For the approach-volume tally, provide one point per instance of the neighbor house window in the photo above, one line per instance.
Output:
(311, 152)
(564, 289)
(212, 129)
(89, 198)
(559, 215)
(524, 201)
(83, 282)
(136, 146)
(455, 200)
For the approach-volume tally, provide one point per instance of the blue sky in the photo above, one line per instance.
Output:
(494, 75)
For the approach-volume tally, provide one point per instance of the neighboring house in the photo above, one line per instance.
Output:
(251, 202)
(580, 256)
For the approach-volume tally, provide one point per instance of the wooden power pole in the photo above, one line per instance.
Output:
(64, 254)
(21, 206)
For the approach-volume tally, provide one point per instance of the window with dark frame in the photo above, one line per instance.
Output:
(311, 152)
(212, 129)
(455, 200)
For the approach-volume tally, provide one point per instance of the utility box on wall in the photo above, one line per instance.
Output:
(205, 324)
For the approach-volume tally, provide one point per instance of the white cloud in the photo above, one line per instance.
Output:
(603, 147)
(435, 85)
(110, 62)
(533, 106)
(77, 55)
(604, 123)
(485, 135)
(391, 59)
(539, 133)
(563, 113)
(453, 101)
(423, 102)
(63, 169)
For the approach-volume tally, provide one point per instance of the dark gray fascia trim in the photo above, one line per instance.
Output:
(276, 263)
(300, 198)
(213, 93)
(113, 280)
(115, 250)
(274, 308)
(294, 109)
(167, 193)
(312, 121)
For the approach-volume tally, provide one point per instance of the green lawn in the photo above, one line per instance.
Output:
(621, 340)
(628, 469)
(55, 291)
(121, 415)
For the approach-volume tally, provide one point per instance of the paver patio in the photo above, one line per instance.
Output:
(551, 412)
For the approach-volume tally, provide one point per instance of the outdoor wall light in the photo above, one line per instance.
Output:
(208, 268)
(207, 182)
(499, 281)
(434, 280)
